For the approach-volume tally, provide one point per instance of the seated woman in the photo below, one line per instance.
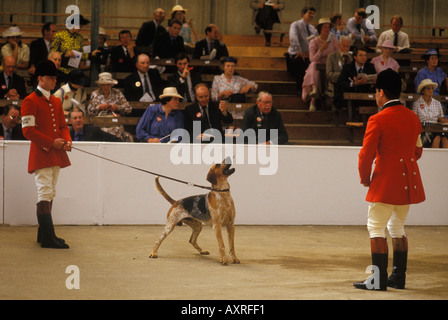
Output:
(385, 61)
(107, 101)
(14, 47)
(431, 71)
(320, 48)
(430, 110)
(160, 120)
(227, 84)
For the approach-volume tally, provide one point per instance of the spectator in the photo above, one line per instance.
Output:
(72, 94)
(145, 84)
(385, 60)
(338, 28)
(429, 110)
(110, 102)
(40, 48)
(265, 14)
(335, 62)
(431, 71)
(150, 29)
(264, 116)
(81, 132)
(14, 47)
(185, 79)
(213, 40)
(11, 129)
(70, 44)
(122, 56)
(62, 77)
(320, 48)
(188, 33)
(300, 33)
(230, 87)
(169, 44)
(398, 38)
(12, 86)
(361, 29)
(205, 114)
(100, 56)
(159, 121)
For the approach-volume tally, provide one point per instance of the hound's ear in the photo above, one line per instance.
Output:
(211, 176)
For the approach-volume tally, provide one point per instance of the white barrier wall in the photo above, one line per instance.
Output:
(313, 185)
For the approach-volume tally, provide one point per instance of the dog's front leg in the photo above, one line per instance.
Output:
(231, 235)
(222, 250)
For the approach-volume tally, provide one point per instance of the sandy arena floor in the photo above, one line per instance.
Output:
(277, 263)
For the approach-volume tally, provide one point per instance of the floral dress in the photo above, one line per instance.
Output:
(220, 84)
(63, 42)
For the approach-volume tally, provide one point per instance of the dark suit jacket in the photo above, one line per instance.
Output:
(175, 81)
(16, 133)
(194, 113)
(147, 33)
(119, 61)
(254, 120)
(38, 51)
(94, 133)
(18, 84)
(165, 48)
(133, 88)
(201, 48)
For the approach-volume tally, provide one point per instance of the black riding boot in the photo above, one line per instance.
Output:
(46, 233)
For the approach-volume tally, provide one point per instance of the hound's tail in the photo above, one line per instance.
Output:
(162, 192)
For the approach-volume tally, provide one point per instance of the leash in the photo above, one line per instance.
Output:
(190, 184)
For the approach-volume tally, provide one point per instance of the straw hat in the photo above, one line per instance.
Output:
(12, 32)
(388, 44)
(324, 21)
(170, 92)
(106, 78)
(426, 83)
(178, 8)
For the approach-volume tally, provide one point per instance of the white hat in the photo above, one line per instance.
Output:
(12, 32)
(426, 83)
(388, 44)
(170, 92)
(106, 78)
(178, 8)
(324, 21)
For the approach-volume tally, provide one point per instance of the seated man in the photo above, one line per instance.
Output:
(81, 132)
(10, 129)
(213, 40)
(205, 114)
(399, 38)
(335, 62)
(150, 29)
(12, 86)
(170, 43)
(123, 56)
(145, 84)
(264, 116)
(184, 80)
(360, 22)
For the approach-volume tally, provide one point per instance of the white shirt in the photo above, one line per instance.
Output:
(428, 113)
(403, 39)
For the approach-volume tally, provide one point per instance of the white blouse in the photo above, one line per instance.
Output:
(428, 113)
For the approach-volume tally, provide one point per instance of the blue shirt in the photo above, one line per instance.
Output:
(438, 76)
(155, 124)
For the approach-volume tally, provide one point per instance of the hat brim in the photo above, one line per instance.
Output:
(171, 95)
(15, 34)
(424, 85)
(114, 82)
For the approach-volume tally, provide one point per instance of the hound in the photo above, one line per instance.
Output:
(215, 208)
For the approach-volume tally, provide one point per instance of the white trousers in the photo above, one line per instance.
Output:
(382, 216)
(46, 180)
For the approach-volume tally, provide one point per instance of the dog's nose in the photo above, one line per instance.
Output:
(228, 160)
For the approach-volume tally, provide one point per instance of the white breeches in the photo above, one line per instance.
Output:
(46, 180)
(382, 216)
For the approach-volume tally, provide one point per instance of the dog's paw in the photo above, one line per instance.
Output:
(224, 260)
(235, 260)
(153, 255)
(205, 253)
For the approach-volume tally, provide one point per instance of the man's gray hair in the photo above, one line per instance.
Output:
(261, 94)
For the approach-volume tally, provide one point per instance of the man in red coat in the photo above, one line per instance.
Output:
(43, 123)
(392, 137)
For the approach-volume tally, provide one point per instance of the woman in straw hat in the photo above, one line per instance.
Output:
(385, 60)
(430, 110)
(160, 120)
(15, 48)
(188, 33)
(110, 102)
(320, 48)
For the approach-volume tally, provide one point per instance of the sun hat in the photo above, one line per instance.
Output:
(12, 32)
(178, 8)
(324, 21)
(388, 44)
(426, 83)
(106, 78)
(170, 92)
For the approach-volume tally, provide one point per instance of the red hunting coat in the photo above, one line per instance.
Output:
(391, 138)
(43, 121)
